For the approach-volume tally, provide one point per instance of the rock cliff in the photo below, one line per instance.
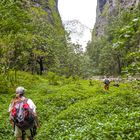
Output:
(107, 8)
(114, 49)
(51, 7)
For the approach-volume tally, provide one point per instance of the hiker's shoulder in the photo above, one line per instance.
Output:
(25, 99)
(30, 101)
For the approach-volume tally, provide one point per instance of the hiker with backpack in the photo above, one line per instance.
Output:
(106, 82)
(23, 116)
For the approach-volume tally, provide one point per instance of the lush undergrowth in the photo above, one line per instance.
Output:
(73, 110)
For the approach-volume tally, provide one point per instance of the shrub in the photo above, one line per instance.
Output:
(53, 78)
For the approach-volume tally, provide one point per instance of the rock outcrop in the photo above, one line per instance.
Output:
(50, 6)
(106, 8)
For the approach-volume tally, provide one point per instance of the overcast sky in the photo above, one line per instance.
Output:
(82, 10)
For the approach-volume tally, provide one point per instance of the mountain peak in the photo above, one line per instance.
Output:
(79, 33)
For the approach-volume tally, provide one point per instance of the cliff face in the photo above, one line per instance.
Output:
(107, 8)
(50, 6)
(45, 3)
(114, 48)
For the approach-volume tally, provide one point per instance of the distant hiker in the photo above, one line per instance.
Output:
(23, 116)
(106, 82)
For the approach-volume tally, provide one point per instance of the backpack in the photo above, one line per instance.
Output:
(107, 81)
(22, 115)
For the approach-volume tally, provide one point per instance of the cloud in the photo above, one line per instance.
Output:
(82, 10)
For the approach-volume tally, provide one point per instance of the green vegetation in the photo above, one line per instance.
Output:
(105, 10)
(33, 41)
(117, 51)
(74, 110)
(30, 38)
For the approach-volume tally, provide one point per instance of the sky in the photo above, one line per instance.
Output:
(82, 10)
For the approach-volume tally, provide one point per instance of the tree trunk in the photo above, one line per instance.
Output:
(41, 68)
(119, 65)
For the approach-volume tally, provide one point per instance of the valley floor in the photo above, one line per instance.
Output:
(72, 109)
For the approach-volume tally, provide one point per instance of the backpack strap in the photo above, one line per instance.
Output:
(25, 100)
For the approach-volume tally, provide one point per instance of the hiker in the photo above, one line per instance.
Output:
(23, 116)
(106, 82)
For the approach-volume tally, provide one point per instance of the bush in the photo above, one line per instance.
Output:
(4, 87)
(53, 78)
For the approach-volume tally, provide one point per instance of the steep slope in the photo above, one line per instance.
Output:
(114, 48)
(107, 8)
(51, 7)
(33, 34)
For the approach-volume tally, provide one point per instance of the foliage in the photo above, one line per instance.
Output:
(117, 51)
(29, 40)
(33, 39)
(3, 85)
(52, 78)
(75, 110)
